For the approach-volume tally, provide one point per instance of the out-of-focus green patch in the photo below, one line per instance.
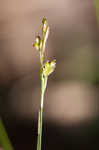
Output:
(96, 2)
(4, 140)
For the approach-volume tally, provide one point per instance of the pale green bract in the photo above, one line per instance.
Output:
(49, 67)
(38, 43)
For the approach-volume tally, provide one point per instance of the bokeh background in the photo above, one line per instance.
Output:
(71, 111)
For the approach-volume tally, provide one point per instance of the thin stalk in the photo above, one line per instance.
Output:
(40, 118)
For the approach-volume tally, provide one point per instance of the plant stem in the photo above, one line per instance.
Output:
(45, 70)
(40, 117)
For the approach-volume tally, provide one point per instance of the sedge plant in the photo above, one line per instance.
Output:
(45, 70)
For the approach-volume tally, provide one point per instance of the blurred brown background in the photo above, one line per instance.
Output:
(71, 113)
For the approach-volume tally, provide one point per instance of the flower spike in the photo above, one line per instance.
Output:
(45, 70)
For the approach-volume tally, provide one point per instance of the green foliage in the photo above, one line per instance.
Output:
(4, 140)
(96, 2)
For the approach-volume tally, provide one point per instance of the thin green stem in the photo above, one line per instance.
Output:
(40, 118)
(40, 121)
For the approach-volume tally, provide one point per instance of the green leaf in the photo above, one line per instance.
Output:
(4, 140)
